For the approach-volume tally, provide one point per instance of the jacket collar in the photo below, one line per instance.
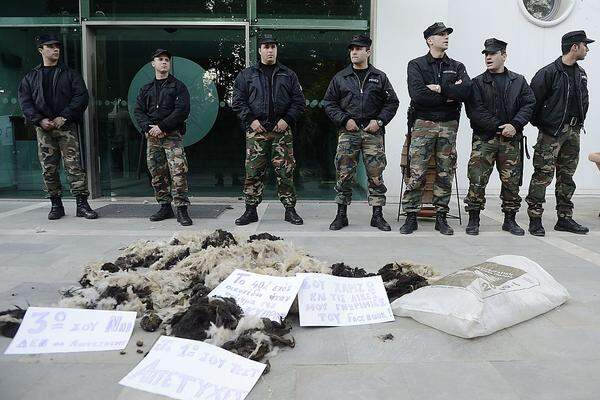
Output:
(560, 66)
(167, 81)
(349, 70)
(39, 67)
(278, 66)
(487, 76)
(431, 60)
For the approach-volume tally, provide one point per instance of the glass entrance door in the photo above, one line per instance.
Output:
(207, 59)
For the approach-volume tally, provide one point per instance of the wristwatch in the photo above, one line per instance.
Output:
(380, 123)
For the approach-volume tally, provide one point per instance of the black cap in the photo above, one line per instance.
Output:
(575, 37)
(436, 29)
(493, 45)
(267, 38)
(159, 52)
(360, 40)
(47, 39)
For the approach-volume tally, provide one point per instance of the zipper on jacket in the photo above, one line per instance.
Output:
(157, 90)
(55, 81)
(438, 74)
(581, 102)
(273, 90)
(562, 122)
(506, 90)
(494, 97)
(361, 87)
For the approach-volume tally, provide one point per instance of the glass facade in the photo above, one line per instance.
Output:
(109, 42)
(113, 9)
(335, 9)
(41, 8)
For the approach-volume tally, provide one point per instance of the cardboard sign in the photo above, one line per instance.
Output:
(261, 295)
(69, 330)
(327, 300)
(189, 369)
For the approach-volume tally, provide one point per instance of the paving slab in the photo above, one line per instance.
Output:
(552, 380)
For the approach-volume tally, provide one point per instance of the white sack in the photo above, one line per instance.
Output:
(480, 300)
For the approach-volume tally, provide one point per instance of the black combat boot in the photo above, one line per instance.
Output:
(567, 224)
(57, 210)
(378, 221)
(510, 225)
(473, 225)
(535, 226)
(84, 209)
(164, 212)
(441, 224)
(410, 224)
(292, 216)
(341, 218)
(183, 217)
(250, 215)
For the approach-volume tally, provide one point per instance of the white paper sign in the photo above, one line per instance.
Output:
(327, 300)
(189, 369)
(69, 330)
(261, 295)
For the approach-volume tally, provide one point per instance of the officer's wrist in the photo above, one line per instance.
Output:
(516, 125)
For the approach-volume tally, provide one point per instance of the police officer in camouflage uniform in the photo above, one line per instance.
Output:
(53, 97)
(360, 100)
(562, 102)
(268, 99)
(437, 85)
(161, 110)
(500, 106)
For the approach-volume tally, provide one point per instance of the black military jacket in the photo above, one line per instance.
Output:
(251, 96)
(552, 92)
(432, 106)
(70, 95)
(349, 98)
(484, 111)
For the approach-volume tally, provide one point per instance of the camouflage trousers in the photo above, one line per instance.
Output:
(281, 148)
(350, 145)
(168, 167)
(554, 154)
(506, 154)
(51, 146)
(431, 139)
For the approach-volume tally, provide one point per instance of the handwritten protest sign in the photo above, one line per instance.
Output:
(68, 330)
(189, 369)
(327, 300)
(261, 295)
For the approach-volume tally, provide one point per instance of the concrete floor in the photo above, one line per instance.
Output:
(554, 356)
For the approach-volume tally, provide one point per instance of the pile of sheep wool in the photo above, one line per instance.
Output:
(167, 284)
